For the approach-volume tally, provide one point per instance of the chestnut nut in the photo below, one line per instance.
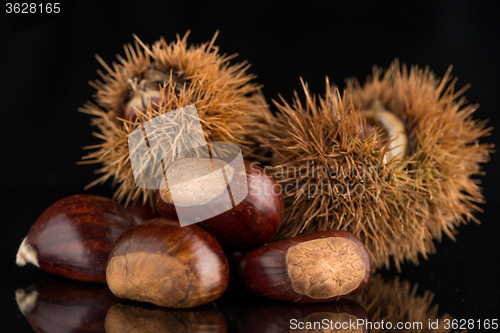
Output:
(319, 267)
(161, 262)
(246, 225)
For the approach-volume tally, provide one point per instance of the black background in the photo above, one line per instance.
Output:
(45, 71)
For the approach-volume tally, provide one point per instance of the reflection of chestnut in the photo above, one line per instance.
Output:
(57, 305)
(318, 267)
(246, 225)
(131, 319)
(341, 316)
(165, 264)
(74, 236)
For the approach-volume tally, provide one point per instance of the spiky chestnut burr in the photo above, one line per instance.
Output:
(318, 267)
(249, 224)
(395, 199)
(74, 236)
(134, 319)
(161, 262)
(142, 213)
(151, 81)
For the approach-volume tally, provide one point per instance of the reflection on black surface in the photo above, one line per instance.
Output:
(138, 319)
(56, 305)
(323, 317)
(397, 301)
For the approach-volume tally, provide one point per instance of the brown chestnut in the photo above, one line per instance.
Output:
(146, 89)
(319, 267)
(74, 236)
(59, 305)
(163, 263)
(246, 225)
(134, 319)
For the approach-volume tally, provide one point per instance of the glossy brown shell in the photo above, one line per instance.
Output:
(282, 317)
(252, 223)
(168, 265)
(74, 236)
(265, 270)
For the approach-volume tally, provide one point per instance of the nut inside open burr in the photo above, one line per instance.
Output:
(392, 128)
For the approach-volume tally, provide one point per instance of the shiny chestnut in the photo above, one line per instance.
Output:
(318, 267)
(161, 262)
(74, 236)
(200, 190)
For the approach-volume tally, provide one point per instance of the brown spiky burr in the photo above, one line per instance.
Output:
(153, 80)
(392, 161)
(74, 236)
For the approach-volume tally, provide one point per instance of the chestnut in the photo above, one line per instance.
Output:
(59, 305)
(341, 316)
(128, 318)
(74, 236)
(252, 222)
(142, 212)
(161, 262)
(318, 267)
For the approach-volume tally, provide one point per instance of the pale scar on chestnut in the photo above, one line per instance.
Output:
(195, 181)
(326, 267)
(332, 318)
(126, 276)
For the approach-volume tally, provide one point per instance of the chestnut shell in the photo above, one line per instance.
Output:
(265, 270)
(168, 265)
(74, 236)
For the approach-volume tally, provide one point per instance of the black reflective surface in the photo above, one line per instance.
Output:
(44, 74)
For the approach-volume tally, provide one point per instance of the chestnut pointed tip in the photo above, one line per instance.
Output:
(26, 300)
(26, 254)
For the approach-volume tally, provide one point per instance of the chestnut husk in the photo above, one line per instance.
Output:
(168, 265)
(142, 212)
(248, 225)
(74, 236)
(267, 270)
